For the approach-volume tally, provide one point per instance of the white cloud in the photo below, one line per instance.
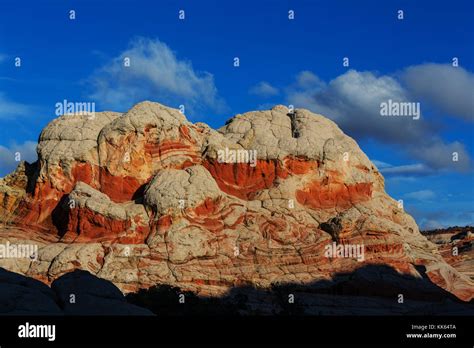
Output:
(302, 91)
(422, 195)
(155, 73)
(401, 179)
(353, 101)
(416, 169)
(380, 164)
(264, 89)
(306, 79)
(8, 162)
(448, 88)
(439, 155)
(10, 109)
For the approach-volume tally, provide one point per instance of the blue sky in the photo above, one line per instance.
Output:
(282, 61)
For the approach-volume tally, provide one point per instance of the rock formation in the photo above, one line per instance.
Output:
(456, 246)
(144, 198)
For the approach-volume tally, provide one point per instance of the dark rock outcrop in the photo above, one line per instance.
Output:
(75, 293)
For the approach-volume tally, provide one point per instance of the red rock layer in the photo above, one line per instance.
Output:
(88, 225)
(84, 226)
(118, 188)
(37, 209)
(327, 195)
(299, 165)
(243, 180)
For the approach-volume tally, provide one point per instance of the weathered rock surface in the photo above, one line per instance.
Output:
(144, 198)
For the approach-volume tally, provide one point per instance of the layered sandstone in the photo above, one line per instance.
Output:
(456, 246)
(143, 198)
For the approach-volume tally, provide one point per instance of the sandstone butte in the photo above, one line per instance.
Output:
(141, 199)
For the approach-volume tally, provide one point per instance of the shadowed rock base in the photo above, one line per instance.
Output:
(76, 293)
